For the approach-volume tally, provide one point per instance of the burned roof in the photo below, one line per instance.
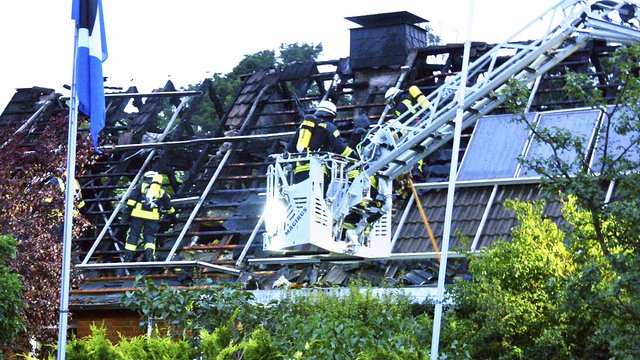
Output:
(218, 183)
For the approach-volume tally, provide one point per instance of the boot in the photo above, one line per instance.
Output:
(128, 255)
(149, 255)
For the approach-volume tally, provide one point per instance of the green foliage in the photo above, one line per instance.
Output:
(432, 38)
(145, 348)
(98, 347)
(600, 300)
(187, 312)
(349, 326)
(603, 298)
(352, 324)
(11, 313)
(94, 347)
(260, 346)
(509, 308)
(224, 344)
(292, 53)
(264, 59)
(204, 117)
(516, 96)
(212, 344)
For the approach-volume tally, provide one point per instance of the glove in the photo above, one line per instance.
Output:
(356, 137)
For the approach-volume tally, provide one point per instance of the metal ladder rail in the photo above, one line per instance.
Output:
(133, 183)
(438, 124)
(438, 98)
(602, 30)
(410, 152)
(169, 262)
(535, 58)
(196, 208)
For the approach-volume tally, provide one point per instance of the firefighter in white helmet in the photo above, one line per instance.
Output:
(145, 205)
(402, 101)
(317, 132)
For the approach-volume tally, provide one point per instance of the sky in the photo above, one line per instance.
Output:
(152, 41)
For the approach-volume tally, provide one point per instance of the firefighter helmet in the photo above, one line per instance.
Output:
(149, 175)
(326, 109)
(391, 94)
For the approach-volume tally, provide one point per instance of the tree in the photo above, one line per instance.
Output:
(292, 53)
(35, 223)
(204, 115)
(509, 309)
(264, 59)
(603, 292)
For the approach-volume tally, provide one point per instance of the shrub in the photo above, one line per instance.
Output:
(93, 347)
(143, 348)
(11, 311)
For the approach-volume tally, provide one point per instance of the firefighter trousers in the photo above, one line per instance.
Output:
(149, 228)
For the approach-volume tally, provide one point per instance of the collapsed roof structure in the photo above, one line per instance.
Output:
(218, 182)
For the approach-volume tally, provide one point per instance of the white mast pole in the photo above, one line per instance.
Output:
(453, 175)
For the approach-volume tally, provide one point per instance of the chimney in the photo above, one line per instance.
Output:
(385, 39)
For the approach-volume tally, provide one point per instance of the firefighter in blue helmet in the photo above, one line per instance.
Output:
(318, 133)
(145, 206)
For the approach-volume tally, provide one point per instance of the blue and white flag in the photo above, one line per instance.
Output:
(91, 52)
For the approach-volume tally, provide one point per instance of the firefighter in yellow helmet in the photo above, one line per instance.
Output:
(145, 205)
(318, 133)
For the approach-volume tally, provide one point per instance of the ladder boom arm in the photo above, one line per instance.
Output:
(397, 145)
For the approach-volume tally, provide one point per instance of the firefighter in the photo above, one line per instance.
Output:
(403, 101)
(318, 133)
(59, 181)
(145, 205)
(354, 218)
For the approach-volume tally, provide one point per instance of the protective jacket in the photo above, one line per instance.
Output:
(148, 202)
(77, 195)
(317, 134)
(407, 100)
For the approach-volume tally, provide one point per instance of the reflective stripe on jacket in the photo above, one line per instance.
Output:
(149, 209)
(77, 196)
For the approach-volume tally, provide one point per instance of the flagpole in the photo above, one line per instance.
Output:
(68, 209)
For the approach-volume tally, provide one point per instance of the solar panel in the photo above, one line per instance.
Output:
(578, 122)
(495, 145)
(618, 144)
